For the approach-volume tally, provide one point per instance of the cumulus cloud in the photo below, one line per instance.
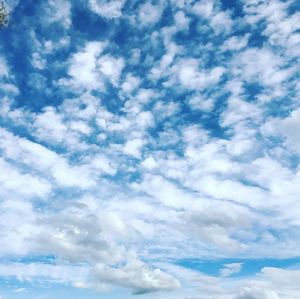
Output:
(83, 65)
(137, 276)
(262, 65)
(111, 67)
(230, 269)
(141, 141)
(107, 9)
(133, 147)
(257, 293)
(285, 127)
(191, 77)
(150, 14)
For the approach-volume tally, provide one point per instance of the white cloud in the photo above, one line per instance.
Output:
(162, 67)
(38, 61)
(261, 66)
(77, 235)
(230, 269)
(219, 20)
(111, 67)
(197, 102)
(107, 8)
(239, 111)
(149, 163)
(150, 14)
(257, 293)
(83, 66)
(287, 127)
(50, 125)
(38, 271)
(100, 162)
(235, 43)
(4, 70)
(133, 147)
(181, 20)
(207, 226)
(58, 11)
(17, 224)
(14, 181)
(130, 83)
(137, 276)
(145, 95)
(39, 158)
(218, 181)
(191, 77)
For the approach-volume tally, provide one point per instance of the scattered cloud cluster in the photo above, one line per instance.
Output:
(138, 136)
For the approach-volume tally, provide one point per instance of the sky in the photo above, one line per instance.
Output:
(150, 149)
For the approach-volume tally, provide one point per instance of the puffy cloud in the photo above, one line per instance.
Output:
(191, 77)
(235, 43)
(125, 141)
(208, 225)
(17, 225)
(262, 66)
(83, 65)
(58, 11)
(257, 293)
(44, 161)
(149, 163)
(78, 236)
(137, 276)
(37, 271)
(219, 20)
(285, 127)
(130, 83)
(13, 181)
(150, 14)
(50, 125)
(230, 269)
(181, 20)
(107, 8)
(111, 67)
(133, 147)
(4, 70)
(89, 69)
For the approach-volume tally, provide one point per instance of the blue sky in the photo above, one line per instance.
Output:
(150, 148)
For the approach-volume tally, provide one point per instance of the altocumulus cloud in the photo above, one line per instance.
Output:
(150, 146)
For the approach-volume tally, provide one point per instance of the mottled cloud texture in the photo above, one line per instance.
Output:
(150, 148)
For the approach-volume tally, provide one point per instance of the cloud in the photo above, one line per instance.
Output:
(13, 181)
(219, 20)
(192, 78)
(83, 65)
(230, 269)
(58, 11)
(263, 66)
(235, 43)
(285, 127)
(107, 8)
(17, 225)
(137, 276)
(111, 67)
(133, 147)
(257, 293)
(150, 14)
(4, 71)
(44, 161)
(140, 136)
(37, 271)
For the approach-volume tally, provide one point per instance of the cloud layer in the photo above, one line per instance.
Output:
(139, 138)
